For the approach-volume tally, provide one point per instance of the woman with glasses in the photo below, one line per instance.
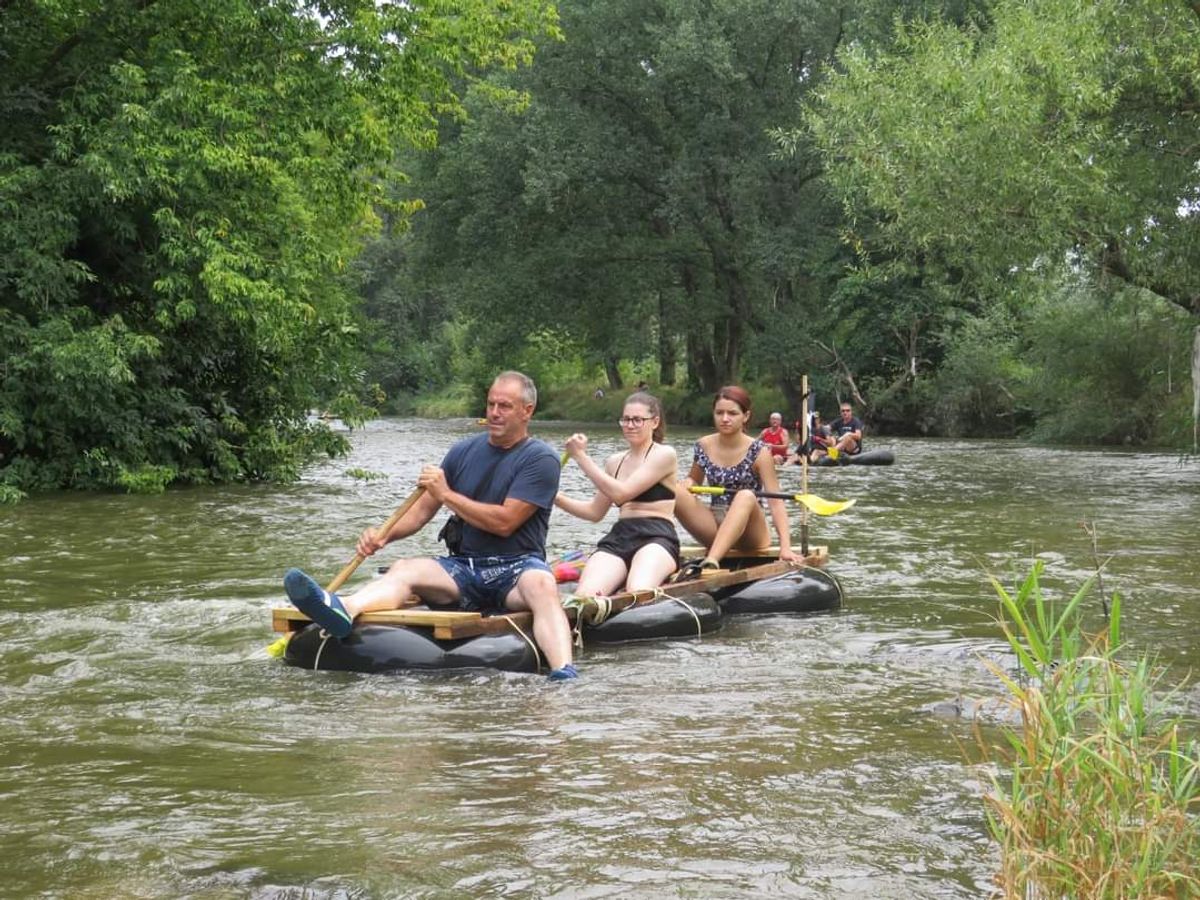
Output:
(733, 460)
(642, 549)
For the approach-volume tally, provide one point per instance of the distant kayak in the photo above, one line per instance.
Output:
(866, 458)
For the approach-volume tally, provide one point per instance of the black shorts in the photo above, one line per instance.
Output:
(629, 536)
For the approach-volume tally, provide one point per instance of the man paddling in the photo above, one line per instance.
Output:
(502, 486)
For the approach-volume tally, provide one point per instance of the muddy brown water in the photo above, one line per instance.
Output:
(151, 750)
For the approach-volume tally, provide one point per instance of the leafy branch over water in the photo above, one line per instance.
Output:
(1103, 797)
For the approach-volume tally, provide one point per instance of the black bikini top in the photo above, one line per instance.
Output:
(656, 491)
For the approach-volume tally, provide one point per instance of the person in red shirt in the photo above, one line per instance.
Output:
(775, 436)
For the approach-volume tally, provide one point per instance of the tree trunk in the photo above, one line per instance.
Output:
(613, 373)
(668, 352)
(793, 397)
(1196, 392)
(727, 335)
(701, 366)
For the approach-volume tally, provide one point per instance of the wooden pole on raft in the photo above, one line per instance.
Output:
(1196, 392)
(278, 647)
(804, 463)
(383, 529)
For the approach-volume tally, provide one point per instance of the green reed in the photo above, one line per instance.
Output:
(1102, 797)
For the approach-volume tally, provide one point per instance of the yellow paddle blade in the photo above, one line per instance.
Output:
(821, 506)
(833, 452)
(276, 649)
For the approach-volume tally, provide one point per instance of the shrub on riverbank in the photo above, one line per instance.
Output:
(1104, 795)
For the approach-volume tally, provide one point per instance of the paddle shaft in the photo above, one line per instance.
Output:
(804, 408)
(770, 495)
(387, 526)
(819, 505)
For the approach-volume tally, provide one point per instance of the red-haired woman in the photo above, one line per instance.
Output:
(732, 459)
(642, 549)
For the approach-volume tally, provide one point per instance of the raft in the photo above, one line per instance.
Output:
(866, 458)
(419, 638)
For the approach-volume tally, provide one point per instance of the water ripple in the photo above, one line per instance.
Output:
(151, 750)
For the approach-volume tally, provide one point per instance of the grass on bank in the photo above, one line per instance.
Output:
(1099, 795)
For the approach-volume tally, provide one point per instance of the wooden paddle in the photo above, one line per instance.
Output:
(387, 526)
(804, 451)
(277, 648)
(819, 505)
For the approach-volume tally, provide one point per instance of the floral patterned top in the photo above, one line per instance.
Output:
(734, 478)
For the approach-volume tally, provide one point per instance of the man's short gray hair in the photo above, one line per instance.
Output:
(528, 388)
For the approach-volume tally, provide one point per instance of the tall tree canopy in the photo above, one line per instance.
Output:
(183, 185)
(636, 206)
(1050, 135)
(639, 205)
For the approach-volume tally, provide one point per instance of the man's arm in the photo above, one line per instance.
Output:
(499, 519)
(503, 519)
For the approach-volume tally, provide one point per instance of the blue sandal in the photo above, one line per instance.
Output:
(318, 604)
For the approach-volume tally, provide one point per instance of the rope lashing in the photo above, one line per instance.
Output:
(597, 609)
(325, 636)
(537, 656)
(695, 615)
(589, 611)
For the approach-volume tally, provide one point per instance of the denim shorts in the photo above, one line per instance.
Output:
(484, 581)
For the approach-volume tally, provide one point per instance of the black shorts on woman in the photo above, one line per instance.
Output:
(630, 535)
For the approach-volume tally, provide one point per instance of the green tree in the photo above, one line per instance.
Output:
(636, 203)
(183, 187)
(1050, 135)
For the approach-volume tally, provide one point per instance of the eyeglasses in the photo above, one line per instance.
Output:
(633, 421)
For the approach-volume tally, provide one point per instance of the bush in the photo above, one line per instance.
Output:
(972, 393)
(1105, 368)
(1102, 795)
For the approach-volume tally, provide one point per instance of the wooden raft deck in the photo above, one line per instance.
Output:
(452, 624)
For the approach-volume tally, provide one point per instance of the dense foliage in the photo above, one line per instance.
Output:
(183, 187)
(636, 208)
(983, 224)
(968, 216)
(1052, 141)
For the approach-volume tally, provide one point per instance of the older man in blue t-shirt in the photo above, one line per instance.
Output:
(502, 486)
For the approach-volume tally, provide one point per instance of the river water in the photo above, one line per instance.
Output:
(150, 749)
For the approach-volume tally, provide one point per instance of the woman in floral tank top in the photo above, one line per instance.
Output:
(732, 459)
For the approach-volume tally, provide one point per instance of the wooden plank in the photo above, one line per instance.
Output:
(711, 580)
(446, 624)
(485, 625)
(288, 618)
(817, 555)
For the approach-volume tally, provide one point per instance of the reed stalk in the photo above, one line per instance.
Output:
(1096, 794)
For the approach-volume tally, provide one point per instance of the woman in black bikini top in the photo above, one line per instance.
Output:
(642, 549)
